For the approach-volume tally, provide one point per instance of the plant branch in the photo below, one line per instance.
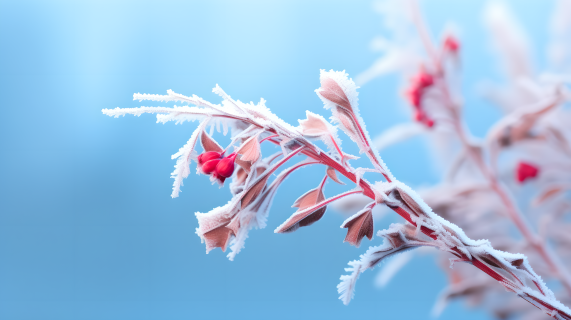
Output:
(540, 246)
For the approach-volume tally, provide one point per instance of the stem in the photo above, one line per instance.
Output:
(269, 137)
(337, 147)
(514, 214)
(370, 152)
(322, 184)
(423, 32)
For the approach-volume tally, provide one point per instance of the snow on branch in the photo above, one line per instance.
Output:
(253, 190)
(397, 239)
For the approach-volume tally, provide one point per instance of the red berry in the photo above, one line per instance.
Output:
(414, 96)
(225, 167)
(207, 156)
(429, 123)
(419, 116)
(209, 166)
(424, 80)
(451, 44)
(525, 171)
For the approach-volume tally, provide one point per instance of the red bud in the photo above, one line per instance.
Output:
(419, 116)
(209, 166)
(429, 123)
(225, 167)
(414, 96)
(424, 80)
(451, 44)
(207, 156)
(525, 171)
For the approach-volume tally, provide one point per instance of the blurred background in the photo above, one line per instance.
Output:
(88, 229)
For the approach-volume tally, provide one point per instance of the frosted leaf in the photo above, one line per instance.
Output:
(398, 239)
(183, 156)
(359, 225)
(308, 200)
(550, 192)
(212, 226)
(315, 126)
(310, 213)
(332, 173)
(250, 149)
(209, 144)
(254, 214)
(339, 93)
(230, 224)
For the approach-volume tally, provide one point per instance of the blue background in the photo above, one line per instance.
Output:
(88, 229)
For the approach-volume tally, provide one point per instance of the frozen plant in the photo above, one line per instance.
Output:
(252, 191)
(515, 179)
(435, 109)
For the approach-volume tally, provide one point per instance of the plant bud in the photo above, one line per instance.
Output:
(225, 167)
(207, 156)
(429, 123)
(424, 80)
(419, 115)
(209, 166)
(525, 171)
(414, 96)
(451, 44)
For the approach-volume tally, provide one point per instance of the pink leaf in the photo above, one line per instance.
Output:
(347, 123)
(409, 201)
(339, 93)
(215, 227)
(302, 219)
(331, 91)
(307, 200)
(184, 155)
(398, 238)
(250, 149)
(217, 238)
(254, 191)
(548, 193)
(246, 165)
(258, 186)
(315, 125)
(310, 214)
(234, 225)
(359, 225)
(332, 173)
(208, 144)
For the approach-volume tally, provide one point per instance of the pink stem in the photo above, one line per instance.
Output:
(323, 182)
(424, 36)
(337, 147)
(322, 157)
(513, 212)
(367, 191)
(515, 215)
(269, 137)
